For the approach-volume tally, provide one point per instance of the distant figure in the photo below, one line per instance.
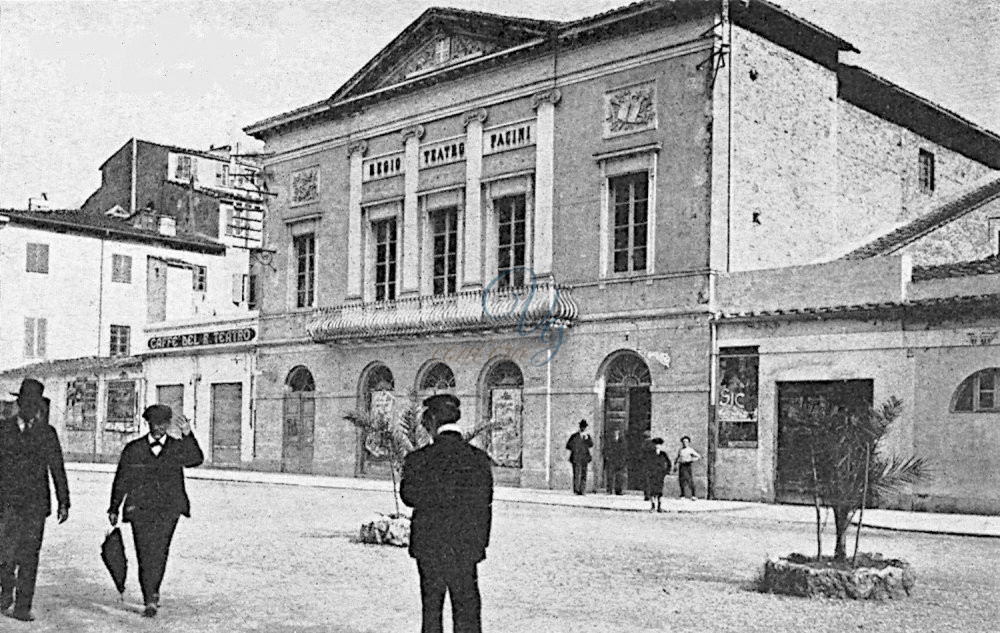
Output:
(150, 482)
(29, 453)
(658, 468)
(647, 455)
(686, 456)
(579, 445)
(449, 485)
(614, 463)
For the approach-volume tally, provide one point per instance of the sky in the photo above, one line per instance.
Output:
(78, 78)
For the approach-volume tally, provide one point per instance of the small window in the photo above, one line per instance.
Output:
(926, 166)
(305, 270)
(120, 335)
(37, 258)
(185, 167)
(199, 279)
(630, 222)
(35, 330)
(978, 392)
(253, 293)
(121, 269)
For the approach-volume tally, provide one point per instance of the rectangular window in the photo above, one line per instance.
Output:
(926, 166)
(199, 278)
(120, 335)
(305, 270)
(988, 390)
(384, 233)
(736, 405)
(444, 231)
(630, 213)
(121, 269)
(37, 258)
(252, 291)
(511, 212)
(185, 167)
(35, 330)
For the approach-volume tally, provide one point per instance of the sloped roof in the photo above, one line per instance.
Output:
(75, 221)
(986, 266)
(948, 212)
(73, 365)
(962, 304)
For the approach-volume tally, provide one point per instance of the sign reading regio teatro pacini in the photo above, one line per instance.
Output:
(200, 339)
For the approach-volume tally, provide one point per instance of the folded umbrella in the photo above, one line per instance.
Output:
(113, 555)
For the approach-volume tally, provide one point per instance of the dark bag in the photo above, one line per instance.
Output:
(113, 555)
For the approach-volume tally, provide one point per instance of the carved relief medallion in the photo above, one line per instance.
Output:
(630, 109)
(305, 185)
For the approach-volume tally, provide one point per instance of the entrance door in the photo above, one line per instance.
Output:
(792, 479)
(627, 405)
(172, 396)
(300, 421)
(227, 424)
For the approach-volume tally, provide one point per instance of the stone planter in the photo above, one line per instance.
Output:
(874, 577)
(386, 530)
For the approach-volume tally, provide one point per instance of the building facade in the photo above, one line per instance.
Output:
(534, 216)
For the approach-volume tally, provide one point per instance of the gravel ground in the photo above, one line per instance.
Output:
(280, 559)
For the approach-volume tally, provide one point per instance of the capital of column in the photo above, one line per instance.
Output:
(476, 115)
(357, 146)
(546, 96)
(416, 131)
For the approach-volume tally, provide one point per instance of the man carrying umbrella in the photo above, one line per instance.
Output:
(150, 482)
(29, 453)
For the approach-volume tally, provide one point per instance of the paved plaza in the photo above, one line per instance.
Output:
(270, 558)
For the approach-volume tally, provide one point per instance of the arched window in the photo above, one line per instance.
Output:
(978, 392)
(438, 378)
(300, 379)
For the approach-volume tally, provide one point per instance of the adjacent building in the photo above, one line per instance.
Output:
(535, 216)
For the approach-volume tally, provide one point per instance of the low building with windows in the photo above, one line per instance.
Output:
(535, 215)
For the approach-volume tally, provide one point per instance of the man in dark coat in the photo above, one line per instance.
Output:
(150, 482)
(614, 462)
(29, 453)
(449, 485)
(579, 445)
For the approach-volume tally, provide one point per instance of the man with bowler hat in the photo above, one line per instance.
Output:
(150, 483)
(579, 445)
(449, 485)
(29, 454)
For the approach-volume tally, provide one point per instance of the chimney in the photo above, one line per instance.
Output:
(168, 226)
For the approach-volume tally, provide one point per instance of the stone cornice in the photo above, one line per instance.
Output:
(552, 96)
(479, 114)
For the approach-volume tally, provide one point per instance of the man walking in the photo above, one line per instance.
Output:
(449, 485)
(150, 482)
(29, 454)
(579, 445)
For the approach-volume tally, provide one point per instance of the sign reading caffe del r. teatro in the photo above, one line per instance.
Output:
(199, 339)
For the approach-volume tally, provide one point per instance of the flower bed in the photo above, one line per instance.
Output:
(871, 578)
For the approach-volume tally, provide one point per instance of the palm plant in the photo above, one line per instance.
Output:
(391, 438)
(842, 464)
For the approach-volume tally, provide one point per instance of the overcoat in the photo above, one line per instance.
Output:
(26, 461)
(151, 485)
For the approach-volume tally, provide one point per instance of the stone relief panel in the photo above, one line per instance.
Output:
(630, 109)
(305, 185)
(440, 51)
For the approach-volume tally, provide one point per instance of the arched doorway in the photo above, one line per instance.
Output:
(299, 421)
(377, 388)
(627, 408)
(503, 387)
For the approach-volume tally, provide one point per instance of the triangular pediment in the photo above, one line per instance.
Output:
(439, 39)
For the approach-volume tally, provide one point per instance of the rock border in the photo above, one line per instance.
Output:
(875, 578)
(386, 530)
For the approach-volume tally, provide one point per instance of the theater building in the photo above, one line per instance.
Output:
(533, 215)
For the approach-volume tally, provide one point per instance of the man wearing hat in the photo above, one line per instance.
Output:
(449, 485)
(579, 445)
(29, 453)
(150, 483)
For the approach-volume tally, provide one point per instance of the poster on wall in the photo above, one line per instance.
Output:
(736, 409)
(505, 438)
(81, 404)
(381, 405)
(121, 413)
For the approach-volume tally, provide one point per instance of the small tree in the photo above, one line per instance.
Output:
(842, 463)
(392, 438)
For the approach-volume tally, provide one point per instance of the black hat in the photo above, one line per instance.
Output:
(30, 389)
(444, 407)
(657, 440)
(157, 414)
(583, 424)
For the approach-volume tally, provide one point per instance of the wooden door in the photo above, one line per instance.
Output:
(298, 432)
(227, 424)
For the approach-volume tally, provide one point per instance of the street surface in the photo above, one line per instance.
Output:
(280, 559)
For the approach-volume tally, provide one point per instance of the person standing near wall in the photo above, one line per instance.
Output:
(579, 445)
(659, 468)
(29, 453)
(686, 457)
(614, 463)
